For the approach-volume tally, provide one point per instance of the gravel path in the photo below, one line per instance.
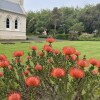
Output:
(35, 38)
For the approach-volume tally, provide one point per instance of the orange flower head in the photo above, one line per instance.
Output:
(93, 61)
(10, 67)
(68, 50)
(76, 72)
(1, 74)
(34, 48)
(58, 73)
(14, 96)
(4, 64)
(48, 48)
(56, 52)
(95, 72)
(32, 81)
(18, 53)
(77, 53)
(40, 53)
(82, 63)
(28, 57)
(45, 46)
(27, 72)
(67, 57)
(3, 57)
(73, 57)
(50, 61)
(38, 67)
(98, 64)
(50, 40)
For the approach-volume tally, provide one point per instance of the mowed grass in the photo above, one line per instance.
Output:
(88, 48)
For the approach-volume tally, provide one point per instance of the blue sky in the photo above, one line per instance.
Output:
(36, 5)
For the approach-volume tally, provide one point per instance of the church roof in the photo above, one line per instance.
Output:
(12, 7)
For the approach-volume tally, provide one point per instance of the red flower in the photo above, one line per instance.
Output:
(82, 63)
(45, 46)
(28, 57)
(68, 50)
(95, 72)
(77, 53)
(10, 67)
(18, 53)
(58, 73)
(56, 52)
(38, 67)
(23, 74)
(50, 61)
(98, 64)
(33, 81)
(50, 40)
(14, 96)
(3, 57)
(34, 48)
(48, 48)
(40, 53)
(27, 71)
(4, 63)
(76, 73)
(67, 57)
(93, 61)
(73, 57)
(1, 74)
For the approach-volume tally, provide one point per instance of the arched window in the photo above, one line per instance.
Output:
(16, 24)
(7, 23)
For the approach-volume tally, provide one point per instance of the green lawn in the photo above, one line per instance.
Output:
(89, 48)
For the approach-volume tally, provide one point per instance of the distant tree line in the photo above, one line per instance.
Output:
(65, 19)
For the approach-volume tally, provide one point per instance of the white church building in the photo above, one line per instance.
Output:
(12, 19)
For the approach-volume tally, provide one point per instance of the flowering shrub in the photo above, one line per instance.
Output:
(14, 96)
(49, 75)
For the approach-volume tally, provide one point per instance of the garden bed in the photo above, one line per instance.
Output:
(49, 73)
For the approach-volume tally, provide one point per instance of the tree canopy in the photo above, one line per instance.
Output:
(62, 20)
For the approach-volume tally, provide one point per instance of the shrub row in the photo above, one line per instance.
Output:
(42, 36)
(82, 37)
(62, 36)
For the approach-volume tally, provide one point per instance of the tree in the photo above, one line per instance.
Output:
(30, 16)
(56, 16)
(79, 27)
(31, 25)
(90, 17)
(64, 19)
